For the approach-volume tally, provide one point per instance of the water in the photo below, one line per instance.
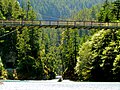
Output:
(54, 85)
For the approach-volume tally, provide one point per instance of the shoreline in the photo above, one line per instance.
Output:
(1, 83)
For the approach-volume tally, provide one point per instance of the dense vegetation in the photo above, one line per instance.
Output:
(87, 14)
(10, 49)
(38, 53)
(59, 9)
(99, 57)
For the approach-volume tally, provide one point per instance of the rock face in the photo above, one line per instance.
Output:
(60, 79)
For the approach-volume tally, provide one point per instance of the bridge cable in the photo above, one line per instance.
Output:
(59, 18)
(7, 33)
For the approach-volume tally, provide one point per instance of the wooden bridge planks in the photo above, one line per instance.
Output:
(61, 24)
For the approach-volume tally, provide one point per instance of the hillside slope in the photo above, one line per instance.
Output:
(59, 9)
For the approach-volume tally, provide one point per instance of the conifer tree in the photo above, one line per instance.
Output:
(116, 9)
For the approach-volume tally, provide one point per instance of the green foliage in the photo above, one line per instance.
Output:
(28, 47)
(29, 68)
(17, 46)
(84, 61)
(3, 73)
(49, 51)
(116, 68)
(116, 9)
(87, 14)
(1, 65)
(110, 11)
(57, 9)
(10, 9)
(105, 13)
(99, 57)
(42, 53)
(69, 50)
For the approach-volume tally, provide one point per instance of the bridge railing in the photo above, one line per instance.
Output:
(58, 23)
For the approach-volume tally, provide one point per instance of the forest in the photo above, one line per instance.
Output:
(59, 9)
(77, 54)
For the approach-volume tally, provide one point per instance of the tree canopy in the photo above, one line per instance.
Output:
(60, 9)
(98, 58)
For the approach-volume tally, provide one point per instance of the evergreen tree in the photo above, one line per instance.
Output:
(105, 13)
(99, 57)
(10, 11)
(69, 52)
(116, 9)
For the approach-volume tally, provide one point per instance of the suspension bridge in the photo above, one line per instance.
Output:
(61, 24)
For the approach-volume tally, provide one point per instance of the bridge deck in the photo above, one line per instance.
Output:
(61, 24)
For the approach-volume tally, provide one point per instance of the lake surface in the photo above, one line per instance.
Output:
(54, 85)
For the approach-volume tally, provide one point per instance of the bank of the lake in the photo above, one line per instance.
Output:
(54, 85)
